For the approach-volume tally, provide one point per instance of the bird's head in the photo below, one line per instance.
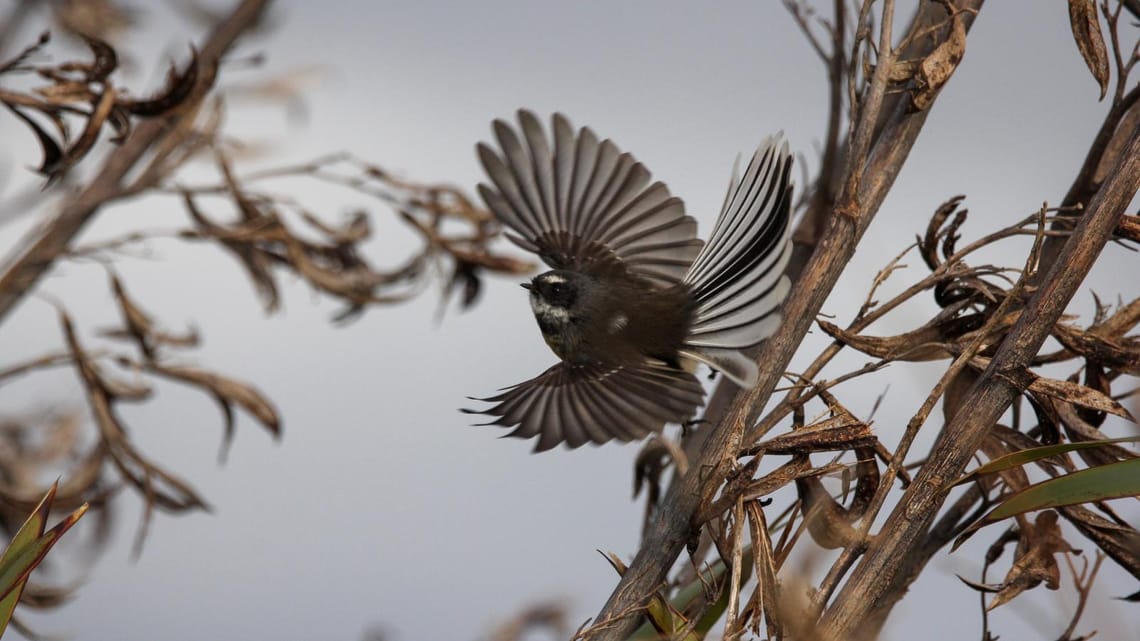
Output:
(554, 298)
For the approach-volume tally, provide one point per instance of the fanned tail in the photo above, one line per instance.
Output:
(738, 278)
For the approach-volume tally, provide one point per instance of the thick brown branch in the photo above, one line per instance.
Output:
(22, 270)
(875, 585)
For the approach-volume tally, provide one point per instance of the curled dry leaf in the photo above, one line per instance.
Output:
(101, 110)
(174, 93)
(928, 245)
(357, 229)
(226, 390)
(138, 324)
(52, 151)
(867, 479)
(829, 525)
(1097, 379)
(104, 60)
(238, 239)
(1035, 561)
(1086, 33)
(1077, 394)
(935, 69)
(84, 90)
(140, 328)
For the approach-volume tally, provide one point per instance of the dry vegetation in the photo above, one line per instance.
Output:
(709, 493)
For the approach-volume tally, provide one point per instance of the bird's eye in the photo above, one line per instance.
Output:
(557, 288)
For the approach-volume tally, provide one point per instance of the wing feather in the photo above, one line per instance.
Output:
(595, 403)
(579, 202)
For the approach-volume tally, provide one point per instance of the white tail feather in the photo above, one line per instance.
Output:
(737, 279)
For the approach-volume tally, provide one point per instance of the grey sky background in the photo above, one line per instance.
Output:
(381, 507)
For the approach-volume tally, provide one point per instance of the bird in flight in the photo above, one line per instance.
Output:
(633, 300)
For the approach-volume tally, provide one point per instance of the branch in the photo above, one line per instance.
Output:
(22, 270)
(874, 586)
(672, 526)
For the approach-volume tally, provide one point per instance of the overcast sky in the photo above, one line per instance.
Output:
(382, 508)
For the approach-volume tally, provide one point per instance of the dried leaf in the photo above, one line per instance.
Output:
(928, 246)
(935, 69)
(138, 323)
(177, 89)
(1118, 352)
(140, 328)
(104, 60)
(827, 522)
(1090, 42)
(1036, 561)
(1065, 391)
(95, 121)
(157, 486)
(980, 587)
(237, 241)
(120, 122)
(798, 467)
(841, 431)
(1080, 395)
(932, 341)
(52, 152)
(465, 279)
(356, 230)
(225, 390)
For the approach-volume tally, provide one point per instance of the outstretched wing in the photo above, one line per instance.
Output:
(582, 203)
(595, 403)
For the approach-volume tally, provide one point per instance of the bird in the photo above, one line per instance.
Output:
(634, 300)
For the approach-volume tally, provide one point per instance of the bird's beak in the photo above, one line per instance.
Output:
(526, 286)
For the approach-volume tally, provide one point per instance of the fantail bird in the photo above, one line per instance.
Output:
(634, 297)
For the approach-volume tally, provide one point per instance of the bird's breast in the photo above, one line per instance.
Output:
(555, 324)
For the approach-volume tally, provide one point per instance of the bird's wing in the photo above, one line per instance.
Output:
(577, 404)
(580, 203)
